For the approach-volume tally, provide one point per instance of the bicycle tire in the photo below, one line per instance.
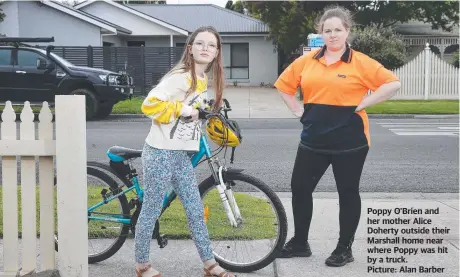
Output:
(232, 175)
(113, 249)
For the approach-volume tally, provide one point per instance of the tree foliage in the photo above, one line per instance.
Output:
(381, 44)
(238, 6)
(290, 22)
(456, 59)
(2, 14)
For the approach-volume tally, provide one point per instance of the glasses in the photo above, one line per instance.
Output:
(201, 46)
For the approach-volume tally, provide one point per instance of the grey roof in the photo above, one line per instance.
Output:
(422, 29)
(192, 16)
(118, 28)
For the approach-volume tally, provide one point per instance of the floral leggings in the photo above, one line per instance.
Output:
(161, 168)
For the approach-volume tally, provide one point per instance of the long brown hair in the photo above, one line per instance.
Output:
(335, 11)
(187, 64)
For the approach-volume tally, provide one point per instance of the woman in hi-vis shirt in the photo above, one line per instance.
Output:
(334, 82)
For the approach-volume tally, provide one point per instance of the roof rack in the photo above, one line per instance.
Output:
(26, 39)
(20, 41)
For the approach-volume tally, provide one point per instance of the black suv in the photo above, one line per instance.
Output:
(29, 73)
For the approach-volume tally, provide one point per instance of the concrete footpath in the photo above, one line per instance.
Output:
(180, 258)
(255, 102)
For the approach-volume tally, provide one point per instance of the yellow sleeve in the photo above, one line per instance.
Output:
(159, 104)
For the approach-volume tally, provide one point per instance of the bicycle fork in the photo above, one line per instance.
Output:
(228, 199)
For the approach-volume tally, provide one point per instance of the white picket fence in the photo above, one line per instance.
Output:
(69, 149)
(428, 77)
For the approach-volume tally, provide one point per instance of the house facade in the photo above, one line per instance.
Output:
(69, 27)
(249, 56)
(416, 34)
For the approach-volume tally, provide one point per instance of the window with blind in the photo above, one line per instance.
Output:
(236, 60)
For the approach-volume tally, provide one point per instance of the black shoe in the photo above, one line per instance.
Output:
(340, 256)
(295, 248)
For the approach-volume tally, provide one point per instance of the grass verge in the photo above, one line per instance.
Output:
(174, 221)
(415, 107)
(389, 107)
(133, 106)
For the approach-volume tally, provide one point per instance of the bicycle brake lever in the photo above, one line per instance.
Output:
(202, 114)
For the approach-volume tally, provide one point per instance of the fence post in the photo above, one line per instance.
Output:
(28, 186)
(72, 185)
(89, 58)
(142, 71)
(10, 195)
(427, 70)
(46, 181)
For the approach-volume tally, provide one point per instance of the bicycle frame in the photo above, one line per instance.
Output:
(204, 151)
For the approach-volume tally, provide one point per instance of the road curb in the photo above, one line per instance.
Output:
(413, 116)
(389, 116)
(371, 116)
(119, 116)
(47, 273)
(421, 196)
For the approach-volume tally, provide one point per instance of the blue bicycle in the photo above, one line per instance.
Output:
(240, 209)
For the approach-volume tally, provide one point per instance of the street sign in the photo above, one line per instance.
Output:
(307, 49)
(315, 40)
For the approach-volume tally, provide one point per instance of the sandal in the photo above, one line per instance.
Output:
(139, 272)
(207, 272)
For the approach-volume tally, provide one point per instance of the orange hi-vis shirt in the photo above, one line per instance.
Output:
(331, 94)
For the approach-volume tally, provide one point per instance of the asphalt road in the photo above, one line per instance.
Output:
(424, 161)
(424, 157)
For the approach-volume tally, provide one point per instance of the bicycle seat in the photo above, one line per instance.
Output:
(119, 153)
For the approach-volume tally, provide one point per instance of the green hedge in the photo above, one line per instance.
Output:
(456, 59)
(381, 44)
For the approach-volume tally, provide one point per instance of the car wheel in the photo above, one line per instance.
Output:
(104, 111)
(92, 105)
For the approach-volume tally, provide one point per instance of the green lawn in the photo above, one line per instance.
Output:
(133, 106)
(390, 107)
(257, 213)
(415, 107)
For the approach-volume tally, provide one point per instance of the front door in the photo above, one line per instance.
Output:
(35, 85)
(7, 77)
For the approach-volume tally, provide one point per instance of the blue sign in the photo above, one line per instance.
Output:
(315, 40)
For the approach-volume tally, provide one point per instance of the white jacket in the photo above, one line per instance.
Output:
(165, 104)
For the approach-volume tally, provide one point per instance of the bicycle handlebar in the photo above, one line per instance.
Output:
(203, 114)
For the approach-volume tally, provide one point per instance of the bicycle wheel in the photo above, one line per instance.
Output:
(107, 243)
(265, 225)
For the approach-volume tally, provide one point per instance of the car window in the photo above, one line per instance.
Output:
(28, 58)
(5, 57)
(59, 58)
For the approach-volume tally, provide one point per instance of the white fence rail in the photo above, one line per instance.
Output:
(428, 77)
(69, 148)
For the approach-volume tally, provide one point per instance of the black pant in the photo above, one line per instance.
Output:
(308, 169)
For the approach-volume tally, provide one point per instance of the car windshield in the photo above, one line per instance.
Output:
(63, 61)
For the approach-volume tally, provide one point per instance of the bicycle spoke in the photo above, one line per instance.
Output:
(255, 242)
